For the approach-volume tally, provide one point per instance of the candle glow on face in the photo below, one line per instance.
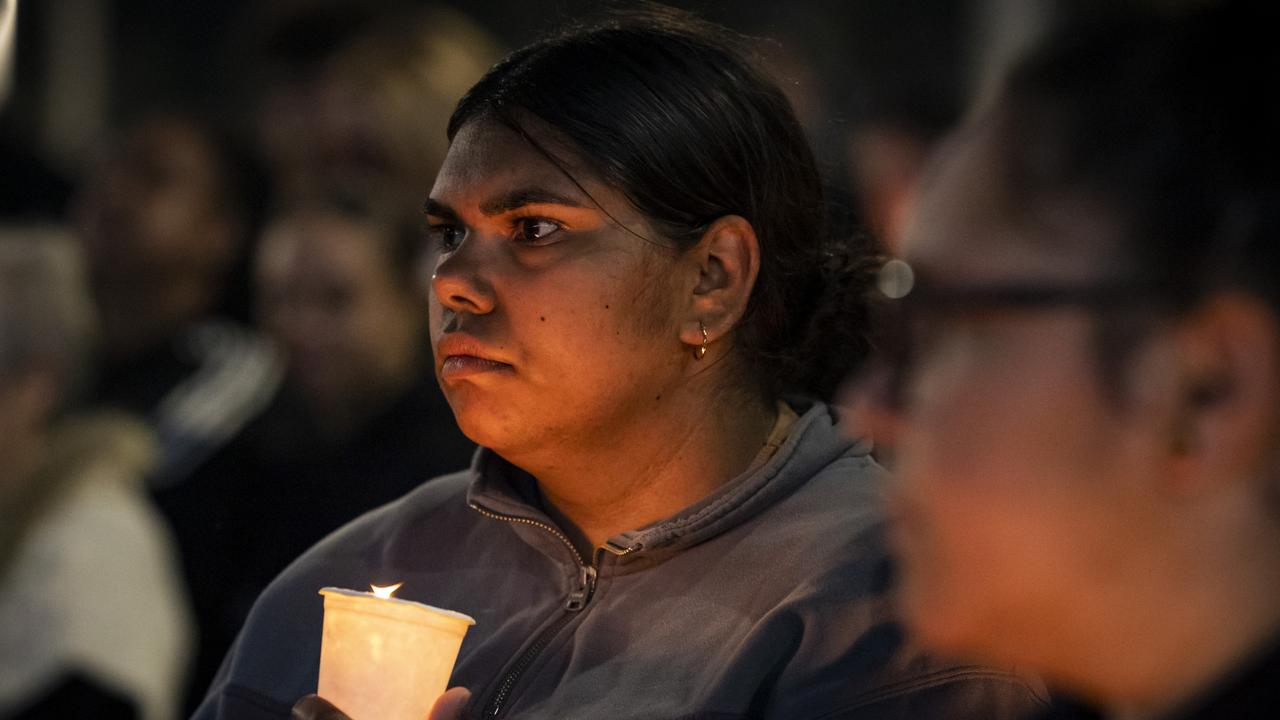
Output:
(385, 592)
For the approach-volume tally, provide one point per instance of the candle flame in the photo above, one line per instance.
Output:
(385, 592)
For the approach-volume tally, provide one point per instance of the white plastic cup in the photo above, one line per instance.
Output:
(386, 658)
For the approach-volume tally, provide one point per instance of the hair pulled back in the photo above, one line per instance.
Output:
(667, 109)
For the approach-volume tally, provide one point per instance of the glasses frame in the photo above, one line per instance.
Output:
(912, 297)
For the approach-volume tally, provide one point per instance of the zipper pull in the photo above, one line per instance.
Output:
(581, 595)
(619, 549)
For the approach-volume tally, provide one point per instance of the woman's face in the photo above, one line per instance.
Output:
(554, 325)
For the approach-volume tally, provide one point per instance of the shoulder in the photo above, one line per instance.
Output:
(830, 507)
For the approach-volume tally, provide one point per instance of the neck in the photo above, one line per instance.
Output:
(671, 457)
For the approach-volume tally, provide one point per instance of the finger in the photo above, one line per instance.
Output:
(449, 706)
(314, 707)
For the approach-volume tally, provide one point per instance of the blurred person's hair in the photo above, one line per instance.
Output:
(670, 111)
(293, 37)
(415, 65)
(1162, 126)
(46, 316)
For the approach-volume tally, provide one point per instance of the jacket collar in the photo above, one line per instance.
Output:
(499, 488)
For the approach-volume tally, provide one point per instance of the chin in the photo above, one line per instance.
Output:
(483, 425)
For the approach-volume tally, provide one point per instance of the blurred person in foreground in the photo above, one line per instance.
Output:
(164, 213)
(636, 313)
(359, 421)
(1089, 407)
(93, 622)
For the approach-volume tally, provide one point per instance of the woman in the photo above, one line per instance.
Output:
(1088, 453)
(628, 275)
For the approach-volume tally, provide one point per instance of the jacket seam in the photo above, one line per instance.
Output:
(932, 680)
(727, 504)
(712, 513)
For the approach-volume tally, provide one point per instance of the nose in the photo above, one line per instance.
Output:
(460, 281)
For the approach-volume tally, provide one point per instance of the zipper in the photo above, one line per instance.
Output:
(577, 600)
(526, 659)
(536, 523)
(620, 550)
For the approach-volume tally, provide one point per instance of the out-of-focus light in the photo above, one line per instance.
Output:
(895, 280)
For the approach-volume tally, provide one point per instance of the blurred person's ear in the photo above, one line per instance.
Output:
(1222, 426)
(727, 260)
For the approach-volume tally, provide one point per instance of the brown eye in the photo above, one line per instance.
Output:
(535, 231)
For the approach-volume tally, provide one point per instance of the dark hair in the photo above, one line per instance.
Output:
(667, 109)
(1162, 124)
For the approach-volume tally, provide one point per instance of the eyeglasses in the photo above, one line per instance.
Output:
(918, 305)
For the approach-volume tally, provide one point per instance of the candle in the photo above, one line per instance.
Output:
(383, 658)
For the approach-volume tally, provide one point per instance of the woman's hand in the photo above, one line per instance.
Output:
(314, 707)
(448, 707)
(450, 704)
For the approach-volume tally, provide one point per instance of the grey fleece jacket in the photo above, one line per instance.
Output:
(765, 600)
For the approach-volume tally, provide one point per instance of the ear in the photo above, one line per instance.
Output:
(1225, 419)
(728, 261)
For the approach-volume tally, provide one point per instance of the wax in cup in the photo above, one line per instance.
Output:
(386, 658)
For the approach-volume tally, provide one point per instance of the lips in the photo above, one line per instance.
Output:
(465, 356)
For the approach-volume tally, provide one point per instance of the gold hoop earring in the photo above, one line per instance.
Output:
(701, 350)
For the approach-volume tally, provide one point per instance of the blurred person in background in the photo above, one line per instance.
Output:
(93, 621)
(358, 423)
(1089, 420)
(352, 137)
(875, 83)
(369, 105)
(163, 215)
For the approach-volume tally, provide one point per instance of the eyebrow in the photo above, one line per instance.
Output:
(439, 209)
(507, 202)
(517, 199)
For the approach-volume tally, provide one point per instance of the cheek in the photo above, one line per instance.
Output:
(996, 473)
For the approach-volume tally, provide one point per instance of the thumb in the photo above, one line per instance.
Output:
(449, 706)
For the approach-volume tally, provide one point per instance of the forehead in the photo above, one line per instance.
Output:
(974, 221)
(486, 156)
